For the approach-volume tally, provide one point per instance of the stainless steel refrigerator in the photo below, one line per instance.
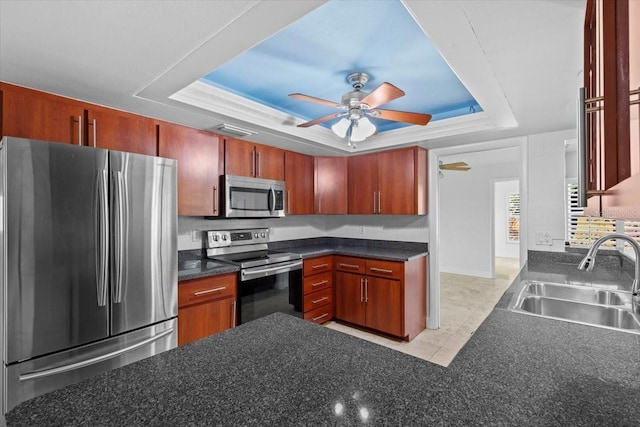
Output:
(88, 262)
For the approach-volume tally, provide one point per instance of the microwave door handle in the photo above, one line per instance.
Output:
(272, 200)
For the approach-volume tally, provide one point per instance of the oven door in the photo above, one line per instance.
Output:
(269, 289)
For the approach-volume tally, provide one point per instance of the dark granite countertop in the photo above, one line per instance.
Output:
(193, 264)
(280, 370)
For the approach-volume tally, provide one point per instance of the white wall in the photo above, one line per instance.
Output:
(504, 247)
(407, 228)
(546, 209)
(466, 205)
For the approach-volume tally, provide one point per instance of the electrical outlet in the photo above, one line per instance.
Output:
(544, 238)
(362, 229)
(195, 235)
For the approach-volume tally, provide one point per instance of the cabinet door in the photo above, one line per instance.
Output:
(396, 178)
(239, 157)
(383, 300)
(363, 184)
(32, 114)
(201, 320)
(331, 185)
(117, 130)
(349, 298)
(198, 178)
(298, 174)
(269, 162)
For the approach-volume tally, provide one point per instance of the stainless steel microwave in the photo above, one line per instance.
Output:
(246, 197)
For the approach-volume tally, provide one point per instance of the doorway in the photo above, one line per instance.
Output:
(506, 228)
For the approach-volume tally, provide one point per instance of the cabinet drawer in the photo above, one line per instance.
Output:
(320, 314)
(205, 289)
(350, 264)
(380, 268)
(318, 265)
(318, 299)
(318, 282)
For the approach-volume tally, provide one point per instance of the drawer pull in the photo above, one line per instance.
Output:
(349, 266)
(319, 283)
(319, 317)
(381, 270)
(209, 291)
(315, 301)
(319, 266)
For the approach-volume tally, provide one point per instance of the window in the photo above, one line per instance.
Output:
(582, 230)
(513, 217)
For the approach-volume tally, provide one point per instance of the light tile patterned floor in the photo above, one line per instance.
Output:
(465, 302)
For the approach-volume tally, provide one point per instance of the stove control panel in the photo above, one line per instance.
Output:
(221, 239)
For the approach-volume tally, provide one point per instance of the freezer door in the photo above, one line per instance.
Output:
(55, 247)
(144, 262)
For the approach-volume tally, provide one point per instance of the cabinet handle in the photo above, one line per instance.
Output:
(319, 204)
(381, 270)
(79, 130)
(374, 202)
(320, 317)
(313, 285)
(215, 199)
(379, 203)
(95, 133)
(233, 319)
(258, 162)
(366, 290)
(361, 290)
(288, 202)
(315, 301)
(208, 291)
(253, 162)
(350, 266)
(319, 266)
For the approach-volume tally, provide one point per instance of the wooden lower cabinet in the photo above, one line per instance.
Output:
(206, 306)
(386, 296)
(317, 289)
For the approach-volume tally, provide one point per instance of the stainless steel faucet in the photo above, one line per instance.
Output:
(589, 260)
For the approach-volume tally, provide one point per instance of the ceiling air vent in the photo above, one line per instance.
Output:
(232, 130)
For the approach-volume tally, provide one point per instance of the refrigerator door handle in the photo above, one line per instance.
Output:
(119, 227)
(102, 236)
(73, 366)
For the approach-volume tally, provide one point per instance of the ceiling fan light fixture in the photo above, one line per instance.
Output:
(340, 128)
(362, 129)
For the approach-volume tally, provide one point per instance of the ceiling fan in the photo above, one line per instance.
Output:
(456, 166)
(357, 106)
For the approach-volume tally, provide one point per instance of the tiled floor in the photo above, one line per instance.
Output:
(465, 302)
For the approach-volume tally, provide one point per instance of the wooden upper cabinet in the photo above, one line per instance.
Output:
(32, 114)
(331, 185)
(118, 130)
(363, 184)
(247, 158)
(197, 153)
(402, 182)
(390, 182)
(298, 175)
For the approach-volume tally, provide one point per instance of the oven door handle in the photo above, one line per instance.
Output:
(252, 273)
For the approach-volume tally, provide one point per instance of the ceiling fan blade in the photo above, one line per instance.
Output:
(455, 164)
(316, 100)
(384, 93)
(320, 120)
(402, 116)
(454, 168)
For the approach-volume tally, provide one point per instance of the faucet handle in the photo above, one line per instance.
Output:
(587, 263)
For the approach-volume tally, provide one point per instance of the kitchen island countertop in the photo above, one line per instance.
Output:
(280, 370)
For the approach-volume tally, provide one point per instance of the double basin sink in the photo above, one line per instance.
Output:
(577, 303)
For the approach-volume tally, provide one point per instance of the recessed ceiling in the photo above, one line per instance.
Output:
(315, 54)
(520, 60)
